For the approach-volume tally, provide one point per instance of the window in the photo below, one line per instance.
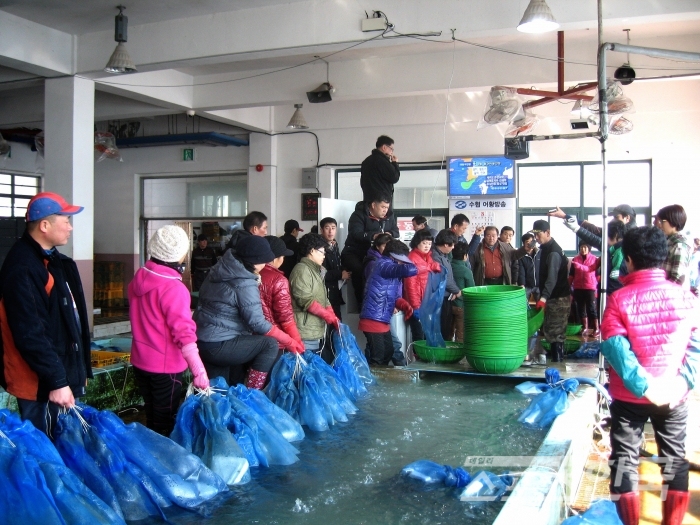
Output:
(418, 188)
(15, 193)
(577, 188)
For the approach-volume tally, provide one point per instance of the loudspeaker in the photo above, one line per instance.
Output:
(321, 94)
(517, 149)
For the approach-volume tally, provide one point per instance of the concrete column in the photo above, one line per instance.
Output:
(70, 164)
(262, 185)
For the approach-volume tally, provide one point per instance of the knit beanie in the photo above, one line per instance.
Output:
(169, 244)
(254, 250)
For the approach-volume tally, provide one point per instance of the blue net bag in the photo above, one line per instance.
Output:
(545, 407)
(430, 473)
(431, 306)
(286, 425)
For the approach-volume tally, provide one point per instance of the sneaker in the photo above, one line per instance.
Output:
(541, 359)
(528, 361)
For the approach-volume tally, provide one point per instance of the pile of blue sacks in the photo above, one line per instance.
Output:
(99, 471)
(316, 394)
(232, 429)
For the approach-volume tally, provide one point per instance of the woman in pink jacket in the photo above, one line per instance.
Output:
(658, 320)
(164, 338)
(585, 284)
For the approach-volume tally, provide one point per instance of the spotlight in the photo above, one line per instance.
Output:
(298, 121)
(120, 62)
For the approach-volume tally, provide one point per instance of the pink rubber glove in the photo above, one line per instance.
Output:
(190, 353)
(285, 340)
(329, 317)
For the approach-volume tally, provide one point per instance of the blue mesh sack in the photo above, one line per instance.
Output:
(532, 388)
(284, 423)
(339, 391)
(430, 473)
(354, 375)
(545, 407)
(356, 356)
(601, 512)
(312, 409)
(486, 486)
(282, 389)
(431, 307)
(247, 440)
(276, 449)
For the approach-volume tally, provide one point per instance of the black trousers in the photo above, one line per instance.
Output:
(353, 263)
(627, 434)
(416, 329)
(381, 347)
(42, 414)
(259, 351)
(586, 304)
(446, 317)
(161, 398)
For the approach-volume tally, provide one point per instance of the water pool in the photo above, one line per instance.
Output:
(351, 473)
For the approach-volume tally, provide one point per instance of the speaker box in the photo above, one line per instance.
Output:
(517, 149)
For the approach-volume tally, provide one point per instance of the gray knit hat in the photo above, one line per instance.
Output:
(169, 244)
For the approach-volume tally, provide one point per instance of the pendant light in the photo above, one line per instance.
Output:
(298, 121)
(538, 18)
(120, 62)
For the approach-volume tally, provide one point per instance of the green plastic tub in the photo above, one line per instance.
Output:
(453, 353)
(535, 318)
(495, 365)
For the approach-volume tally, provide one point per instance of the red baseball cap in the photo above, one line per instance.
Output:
(46, 203)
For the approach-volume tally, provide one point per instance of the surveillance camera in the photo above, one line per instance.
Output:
(579, 123)
(190, 112)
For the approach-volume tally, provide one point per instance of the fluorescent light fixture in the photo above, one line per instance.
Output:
(120, 62)
(538, 18)
(298, 121)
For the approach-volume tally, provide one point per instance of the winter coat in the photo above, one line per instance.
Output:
(508, 255)
(463, 277)
(384, 287)
(275, 296)
(442, 259)
(584, 271)
(44, 347)
(414, 287)
(616, 259)
(554, 271)
(290, 261)
(362, 228)
(161, 321)
(526, 270)
(334, 273)
(378, 176)
(236, 236)
(229, 303)
(308, 286)
(657, 317)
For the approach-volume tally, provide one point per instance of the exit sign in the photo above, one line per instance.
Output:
(188, 154)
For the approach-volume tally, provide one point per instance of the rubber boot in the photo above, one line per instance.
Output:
(674, 507)
(584, 324)
(628, 508)
(256, 379)
(557, 352)
(595, 332)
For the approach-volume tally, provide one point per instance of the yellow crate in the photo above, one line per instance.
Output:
(100, 359)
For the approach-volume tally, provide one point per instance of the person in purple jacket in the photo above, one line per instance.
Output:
(164, 334)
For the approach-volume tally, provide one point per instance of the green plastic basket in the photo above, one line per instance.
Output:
(453, 353)
(495, 365)
(573, 329)
(535, 318)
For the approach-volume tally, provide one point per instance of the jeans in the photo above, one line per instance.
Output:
(259, 351)
(161, 398)
(446, 320)
(397, 358)
(627, 434)
(416, 329)
(381, 347)
(586, 303)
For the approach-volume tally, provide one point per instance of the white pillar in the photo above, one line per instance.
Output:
(70, 164)
(262, 185)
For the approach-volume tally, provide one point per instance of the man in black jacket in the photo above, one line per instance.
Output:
(333, 265)
(555, 294)
(291, 232)
(380, 171)
(45, 328)
(366, 222)
(255, 223)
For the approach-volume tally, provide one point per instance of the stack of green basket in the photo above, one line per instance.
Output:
(495, 328)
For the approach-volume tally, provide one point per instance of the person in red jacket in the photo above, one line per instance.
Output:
(275, 295)
(582, 277)
(659, 321)
(414, 287)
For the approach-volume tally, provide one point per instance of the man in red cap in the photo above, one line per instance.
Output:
(43, 316)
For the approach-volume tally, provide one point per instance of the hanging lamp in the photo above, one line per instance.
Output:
(298, 121)
(120, 62)
(538, 18)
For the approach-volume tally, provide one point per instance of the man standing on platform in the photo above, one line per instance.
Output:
(45, 327)
(380, 171)
(203, 259)
(555, 295)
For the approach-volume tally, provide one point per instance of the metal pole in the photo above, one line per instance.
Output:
(603, 129)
